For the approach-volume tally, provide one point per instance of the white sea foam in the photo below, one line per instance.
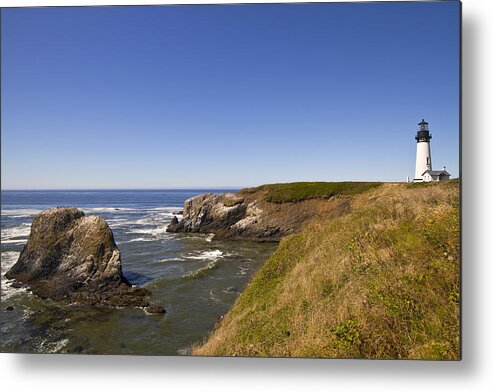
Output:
(8, 260)
(243, 271)
(207, 255)
(166, 209)
(154, 231)
(171, 259)
(18, 241)
(209, 237)
(214, 297)
(110, 209)
(151, 230)
(26, 312)
(24, 212)
(118, 222)
(167, 215)
(16, 234)
(149, 234)
(140, 239)
(149, 217)
(145, 221)
(202, 271)
(53, 347)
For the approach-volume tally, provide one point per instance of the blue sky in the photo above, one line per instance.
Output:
(226, 96)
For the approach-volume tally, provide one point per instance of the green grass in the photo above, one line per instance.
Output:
(379, 282)
(298, 191)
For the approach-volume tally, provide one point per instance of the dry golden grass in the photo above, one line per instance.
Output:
(379, 282)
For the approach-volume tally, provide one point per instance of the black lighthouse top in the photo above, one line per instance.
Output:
(423, 134)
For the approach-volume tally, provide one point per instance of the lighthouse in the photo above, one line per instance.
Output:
(424, 170)
(423, 151)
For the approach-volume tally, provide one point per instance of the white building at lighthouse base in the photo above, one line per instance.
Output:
(435, 175)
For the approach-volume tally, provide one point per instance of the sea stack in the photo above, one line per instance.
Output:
(72, 257)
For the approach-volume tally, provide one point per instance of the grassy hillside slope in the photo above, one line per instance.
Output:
(379, 282)
(299, 191)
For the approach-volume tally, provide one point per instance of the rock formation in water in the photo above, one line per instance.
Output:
(249, 215)
(71, 257)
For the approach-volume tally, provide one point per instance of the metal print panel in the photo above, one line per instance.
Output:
(232, 180)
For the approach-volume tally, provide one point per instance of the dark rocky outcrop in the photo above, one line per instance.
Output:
(174, 222)
(249, 216)
(155, 309)
(209, 213)
(71, 257)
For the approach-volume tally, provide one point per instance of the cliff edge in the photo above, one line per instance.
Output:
(268, 212)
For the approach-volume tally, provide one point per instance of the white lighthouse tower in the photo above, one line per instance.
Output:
(423, 171)
(423, 151)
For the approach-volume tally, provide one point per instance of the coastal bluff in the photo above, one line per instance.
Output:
(381, 281)
(73, 257)
(268, 212)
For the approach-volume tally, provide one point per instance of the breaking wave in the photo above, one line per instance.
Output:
(155, 231)
(169, 260)
(140, 239)
(110, 209)
(8, 260)
(16, 234)
(207, 255)
(17, 241)
(21, 213)
(213, 255)
(202, 271)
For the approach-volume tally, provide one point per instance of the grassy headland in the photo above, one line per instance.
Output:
(298, 191)
(381, 281)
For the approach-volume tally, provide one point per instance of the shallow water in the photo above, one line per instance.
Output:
(195, 278)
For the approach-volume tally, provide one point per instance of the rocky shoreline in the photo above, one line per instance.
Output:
(248, 215)
(73, 258)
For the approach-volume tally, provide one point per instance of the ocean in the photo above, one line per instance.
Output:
(195, 278)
